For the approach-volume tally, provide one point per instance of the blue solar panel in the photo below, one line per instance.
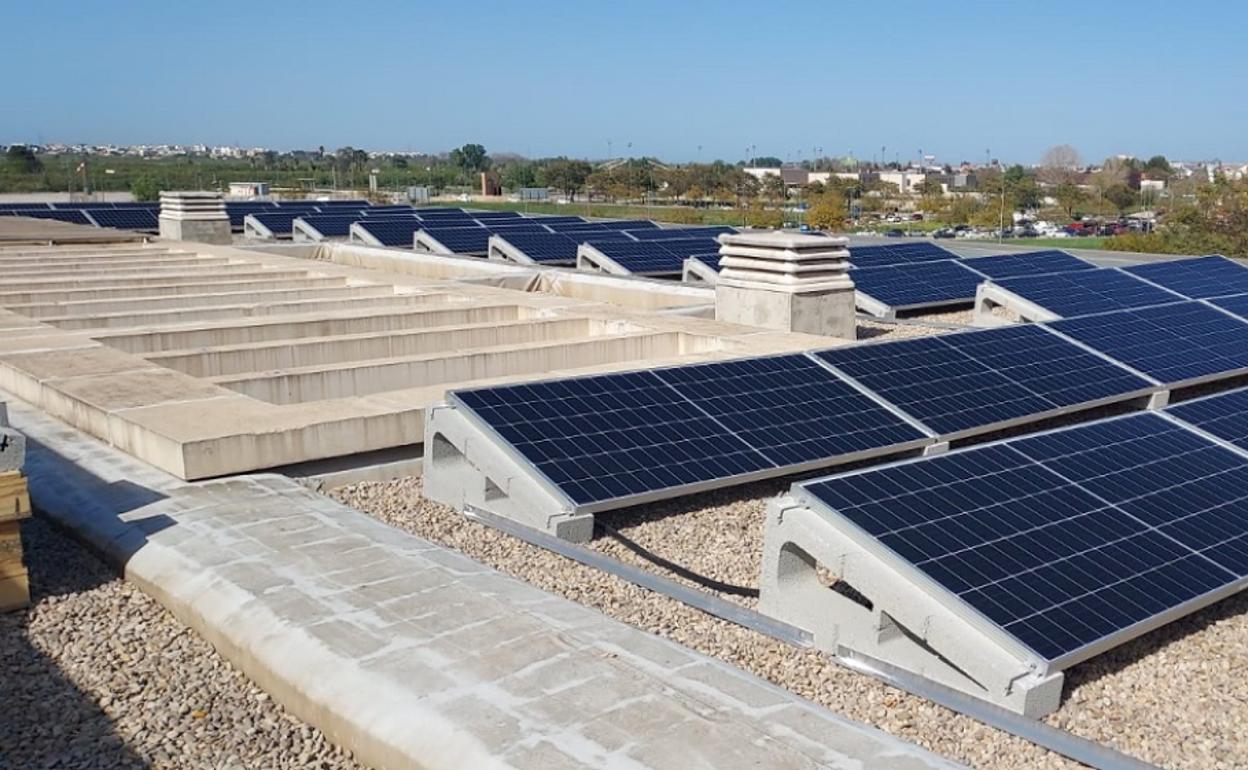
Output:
(331, 225)
(278, 222)
(73, 216)
(1236, 304)
(1087, 291)
(710, 260)
(1066, 539)
(460, 240)
(614, 437)
(546, 248)
(1171, 343)
(391, 232)
(628, 224)
(897, 254)
(484, 215)
(125, 219)
(680, 233)
(23, 206)
(1028, 263)
(558, 220)
(1224, 415)
(973, 381)
(562, 227)
(1197, 278)
(917, 285)
(653, 257)
(351, 204)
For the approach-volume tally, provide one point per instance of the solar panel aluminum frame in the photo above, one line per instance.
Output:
(992, 294)
(531, 470)
(948, 600)
(1083, 406)
(698, 272)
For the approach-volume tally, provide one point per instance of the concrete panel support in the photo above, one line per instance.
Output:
(853, 603)
(788, 282)
(194, 216)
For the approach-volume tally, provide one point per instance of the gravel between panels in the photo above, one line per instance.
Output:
(96, 674)
(1177, 697)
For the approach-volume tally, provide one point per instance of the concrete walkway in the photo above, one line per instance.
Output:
(412, 655)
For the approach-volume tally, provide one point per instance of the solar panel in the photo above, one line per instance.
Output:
(125, 219)
(1173, 344)
(1236, 304)
(620, 436)
(628, 224)
(330, 225)
(560, 227)
(353, 204)
(391, 232)
(958, 384)
(710, 260)
(460, 240)
(278, 222)
(484, 215)
(922, 284)
(897, 254)
(1197, 278)
(558, 220)
(73, 216)
(680, 233)
(1087, 291)
(1068, 541)
(1028, 263)
(546, 248)
(1224, 415)
(23, 206)
(652, 257)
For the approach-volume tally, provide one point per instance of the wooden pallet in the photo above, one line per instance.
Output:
(14, 497)
(14, 506)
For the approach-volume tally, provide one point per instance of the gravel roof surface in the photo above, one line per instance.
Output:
(96, 674)
(1177, 697)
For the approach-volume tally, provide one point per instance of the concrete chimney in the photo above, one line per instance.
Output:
(194, 216)
(786, 281)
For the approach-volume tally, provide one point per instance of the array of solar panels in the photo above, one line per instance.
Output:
(1212, 278)
(1074, 540)
(125, 215)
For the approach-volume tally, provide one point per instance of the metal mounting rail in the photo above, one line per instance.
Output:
(1058, 741)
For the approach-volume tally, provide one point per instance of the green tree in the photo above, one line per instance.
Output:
(566, 176)
(20, 159)
(470, 158)
(1069, 196)
(145, 188)
(1158, 167)
(827, 211)
(763, 217)
(1121, 196)
(518, 175)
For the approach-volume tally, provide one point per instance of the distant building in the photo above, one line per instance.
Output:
(249, 190)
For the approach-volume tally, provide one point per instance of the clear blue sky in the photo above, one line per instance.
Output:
(543, 78)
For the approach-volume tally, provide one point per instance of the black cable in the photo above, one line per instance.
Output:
(674, 568)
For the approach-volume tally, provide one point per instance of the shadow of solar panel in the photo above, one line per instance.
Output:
(1087, 291)
(1028, 263)
(1198, 278)
(888, 254)
(1175, 344)
(1037, 537)
(959, 384)
(923, 284)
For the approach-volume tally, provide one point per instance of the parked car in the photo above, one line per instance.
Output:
(944, 232)
(894, 233)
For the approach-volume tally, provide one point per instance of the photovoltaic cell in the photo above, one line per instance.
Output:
(125, 219)
(710, 260)
(1198, 278)
(618, 436)
(958, 383)
(653, 257)
(680, 233)
(1087, 291)
(460, 240)
(1170, 343)
(916, 285)
(330, 225)
(546, 248)
(1028, 263)
(897, 254)
(1065, 539)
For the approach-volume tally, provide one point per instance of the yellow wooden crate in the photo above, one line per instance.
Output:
(14, 591)
(14, 497)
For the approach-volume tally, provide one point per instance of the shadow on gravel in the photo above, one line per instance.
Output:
(46, 721)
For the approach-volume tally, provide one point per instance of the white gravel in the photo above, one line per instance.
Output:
(98, 675)
(1177, 697)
